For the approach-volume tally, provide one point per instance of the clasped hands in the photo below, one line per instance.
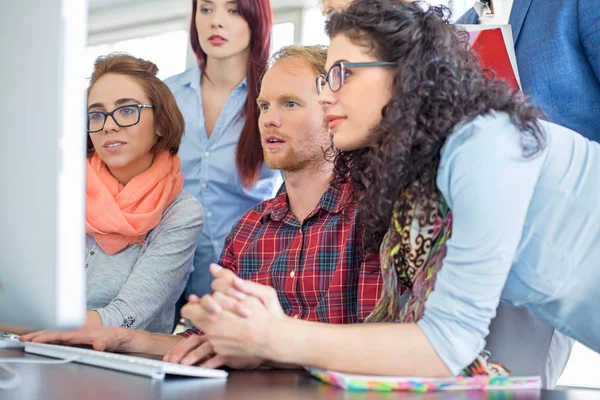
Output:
(237, 320)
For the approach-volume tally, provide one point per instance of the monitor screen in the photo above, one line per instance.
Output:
(42, 163)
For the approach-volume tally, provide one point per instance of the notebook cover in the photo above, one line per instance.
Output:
(421, 384)
(495, 50)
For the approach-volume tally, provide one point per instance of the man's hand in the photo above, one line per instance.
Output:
(250, 336)
(197, 349)
(242, 289)
(230, 294)
(190, 351)
(200, 311)
(236, 319)
(101, 339)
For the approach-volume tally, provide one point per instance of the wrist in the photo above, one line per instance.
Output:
(93, 320)
(279, 346)
(130, 340)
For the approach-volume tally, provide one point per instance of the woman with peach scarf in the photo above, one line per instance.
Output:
(141, 227)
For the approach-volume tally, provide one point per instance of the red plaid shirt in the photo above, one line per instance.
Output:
(318, 268)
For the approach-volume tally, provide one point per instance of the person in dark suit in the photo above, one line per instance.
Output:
(557, 46)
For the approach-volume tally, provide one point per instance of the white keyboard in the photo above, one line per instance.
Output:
(10, 341)
(120, 362)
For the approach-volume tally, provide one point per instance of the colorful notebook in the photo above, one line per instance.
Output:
(494, 47)
(416, 384)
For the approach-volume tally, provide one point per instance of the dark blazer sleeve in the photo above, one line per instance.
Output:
(588, 16)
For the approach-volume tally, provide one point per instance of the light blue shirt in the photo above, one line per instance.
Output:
(208, 166)
(526, 232)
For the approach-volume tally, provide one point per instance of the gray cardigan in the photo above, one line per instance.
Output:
(139, 286)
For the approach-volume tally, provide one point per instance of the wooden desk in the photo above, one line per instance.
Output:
(77, 381)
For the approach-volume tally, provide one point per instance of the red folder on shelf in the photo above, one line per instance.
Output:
(494, 47)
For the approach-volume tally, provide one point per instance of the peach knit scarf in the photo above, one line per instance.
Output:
(118, 215)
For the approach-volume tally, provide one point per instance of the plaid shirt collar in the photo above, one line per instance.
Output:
(332, 201)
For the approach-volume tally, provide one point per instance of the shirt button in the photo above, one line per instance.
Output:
(86, 265)
(203, 186)
(92, 253)
(296, 316)
(209, 214)
(292, 274)
(206, 154)
(215, 243)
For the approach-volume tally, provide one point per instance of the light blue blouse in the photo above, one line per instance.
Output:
(208, 166)
(526, 232)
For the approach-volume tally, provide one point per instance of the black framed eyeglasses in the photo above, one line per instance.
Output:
(123, 116)
(337, 73)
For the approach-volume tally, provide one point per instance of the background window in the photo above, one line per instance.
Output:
(582, 368)
(313, 28)
(283, 35)
(167, 50)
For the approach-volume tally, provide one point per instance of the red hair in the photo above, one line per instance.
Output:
(249, 155)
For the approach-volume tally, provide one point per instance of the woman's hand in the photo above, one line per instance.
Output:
(100, 338)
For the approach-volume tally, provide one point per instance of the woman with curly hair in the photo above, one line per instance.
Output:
(473, 199)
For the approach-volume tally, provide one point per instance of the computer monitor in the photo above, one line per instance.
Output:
(42, 163)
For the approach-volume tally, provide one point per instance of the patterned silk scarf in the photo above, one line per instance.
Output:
(412, 253)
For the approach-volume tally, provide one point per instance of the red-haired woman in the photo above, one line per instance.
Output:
(221, 154)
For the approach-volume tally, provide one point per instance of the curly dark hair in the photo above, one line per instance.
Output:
(438, 83)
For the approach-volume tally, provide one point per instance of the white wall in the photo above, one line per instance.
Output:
(119, 19)
(113, 24)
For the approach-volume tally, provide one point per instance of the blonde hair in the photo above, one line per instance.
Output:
(326, 9)
(315, 55)
(323, 7)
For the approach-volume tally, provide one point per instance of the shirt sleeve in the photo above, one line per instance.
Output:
(369, 285)
(589, 32)
(228, 257)
(488, 184)
(158, 275)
